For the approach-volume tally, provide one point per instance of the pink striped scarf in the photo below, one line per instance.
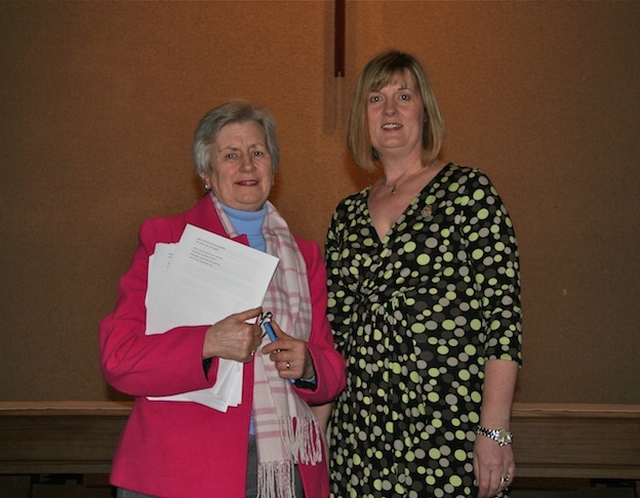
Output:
(287, 432)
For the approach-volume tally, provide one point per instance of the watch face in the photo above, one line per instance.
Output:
(504, 437)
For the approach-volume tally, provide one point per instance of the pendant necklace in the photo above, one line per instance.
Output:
(395, 186)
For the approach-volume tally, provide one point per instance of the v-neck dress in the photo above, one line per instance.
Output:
(417, 314)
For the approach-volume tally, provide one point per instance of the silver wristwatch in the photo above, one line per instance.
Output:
(501, 436)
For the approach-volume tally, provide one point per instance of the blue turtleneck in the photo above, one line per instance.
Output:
(248, 223)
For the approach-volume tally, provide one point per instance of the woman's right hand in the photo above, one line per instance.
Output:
(233, 338)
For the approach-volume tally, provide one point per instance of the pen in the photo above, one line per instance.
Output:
(272, 335)
(270, 332)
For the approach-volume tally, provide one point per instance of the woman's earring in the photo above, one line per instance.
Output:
(206, 187)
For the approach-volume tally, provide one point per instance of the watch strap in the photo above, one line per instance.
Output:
(501, 436)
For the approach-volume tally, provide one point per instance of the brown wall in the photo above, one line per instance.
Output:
(99, 101)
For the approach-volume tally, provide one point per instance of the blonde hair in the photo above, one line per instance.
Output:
(379, 72)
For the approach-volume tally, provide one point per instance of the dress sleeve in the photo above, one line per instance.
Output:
(329, 364)
(493, 257)
(149, 365)
(340, 299)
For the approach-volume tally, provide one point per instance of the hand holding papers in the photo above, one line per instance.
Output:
(199, 281)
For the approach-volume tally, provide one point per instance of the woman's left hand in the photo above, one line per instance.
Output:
(494, 466)
(290, 355)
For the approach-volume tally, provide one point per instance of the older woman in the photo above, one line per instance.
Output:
(270, 445)
(424, 300)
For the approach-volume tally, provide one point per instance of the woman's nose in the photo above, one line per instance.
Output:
(389, 106)
(246, 163)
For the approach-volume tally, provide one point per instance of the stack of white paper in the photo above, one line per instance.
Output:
(199, 281)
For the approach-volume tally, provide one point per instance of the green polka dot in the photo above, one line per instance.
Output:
(410, 246)
(418, 328)
(434, 453)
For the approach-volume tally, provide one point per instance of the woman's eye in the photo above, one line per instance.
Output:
(374, 99)
(404, 96)
(230, 156)
(258, 153)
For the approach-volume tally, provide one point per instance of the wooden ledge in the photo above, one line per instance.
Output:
(64, 408)
(550, 440)
(577, 440)
(60, 437)
(557, 410)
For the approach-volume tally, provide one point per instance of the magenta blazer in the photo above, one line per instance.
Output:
(173, 449)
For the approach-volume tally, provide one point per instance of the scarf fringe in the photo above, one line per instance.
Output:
(276, 480)
(305, 443)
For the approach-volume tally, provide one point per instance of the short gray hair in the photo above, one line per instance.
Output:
(234, 111)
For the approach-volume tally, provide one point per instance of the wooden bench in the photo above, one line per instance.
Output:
(60, 437)
(581, 440)
(550, 440)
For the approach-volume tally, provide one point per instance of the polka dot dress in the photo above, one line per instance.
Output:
(417, 314)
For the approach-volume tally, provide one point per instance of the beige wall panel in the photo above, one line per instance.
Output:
(99, 101)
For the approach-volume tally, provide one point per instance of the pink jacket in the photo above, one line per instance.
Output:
(171, 449)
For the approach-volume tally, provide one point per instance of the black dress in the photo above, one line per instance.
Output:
(416, 315)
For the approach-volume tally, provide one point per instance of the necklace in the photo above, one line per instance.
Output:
(395, 186)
